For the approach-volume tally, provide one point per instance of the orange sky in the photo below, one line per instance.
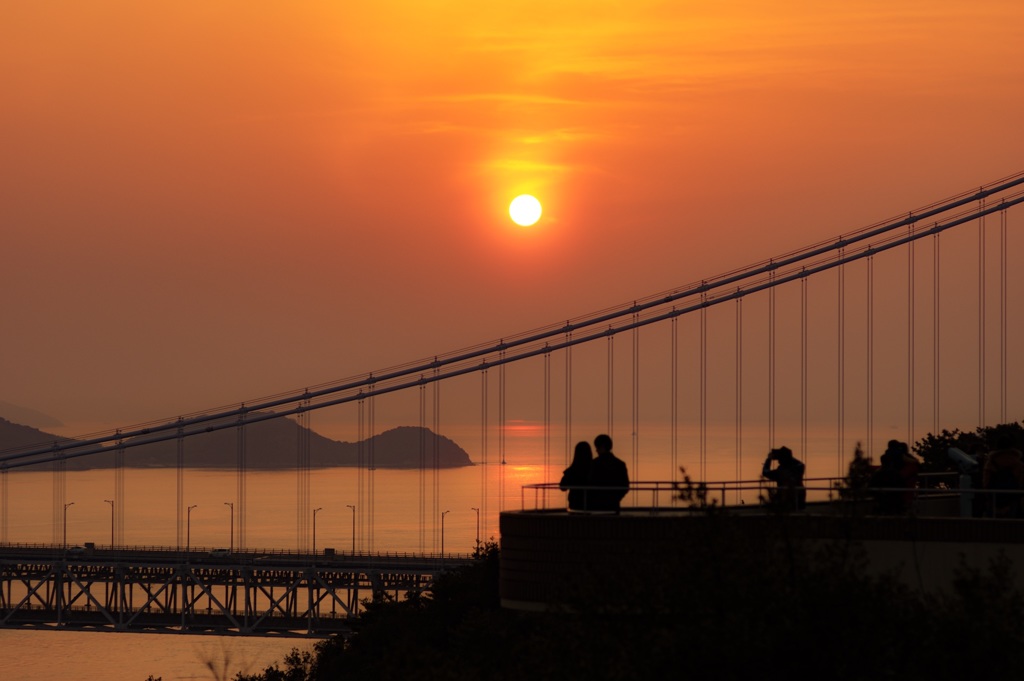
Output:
(203, 203)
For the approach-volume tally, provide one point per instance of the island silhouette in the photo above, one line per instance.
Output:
(270, 445)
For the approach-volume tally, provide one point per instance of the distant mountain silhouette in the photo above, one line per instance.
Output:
(270, 445)
(27, 417)
(15, 435)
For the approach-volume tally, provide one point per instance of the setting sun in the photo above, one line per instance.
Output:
(525, 210)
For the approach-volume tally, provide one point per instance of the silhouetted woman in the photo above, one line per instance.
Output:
(575, 476)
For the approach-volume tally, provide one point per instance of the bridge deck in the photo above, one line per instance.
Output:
(165, 590)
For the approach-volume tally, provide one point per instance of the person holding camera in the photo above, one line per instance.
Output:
(788, 476)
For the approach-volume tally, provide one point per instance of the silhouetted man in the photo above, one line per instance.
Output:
(888, 481)
(609, 472)
(789, 493)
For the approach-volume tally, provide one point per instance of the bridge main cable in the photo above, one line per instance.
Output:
(382, 383)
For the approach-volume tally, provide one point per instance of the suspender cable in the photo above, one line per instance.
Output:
(423, 464)
(739, 395)
(307, 464)
(501, 410)
(300, 516)
(803, 367)
(307, 427)
(547, 422)
(636, 401)
(58, 502)
(611, 383)
(361, 473)
(841, 366)
(119, 493)
(59, 498)
(568, 398)
(911, 309)
(371, 467)
(501, 432)
(674, 401)
(302, 474)
(483, 444)
(1002, 316)
(771, 361)
(936, 386)
(703, 393)
(180, 485)
(241, 477)
(870, 343)
(981, 315)
(437, 456)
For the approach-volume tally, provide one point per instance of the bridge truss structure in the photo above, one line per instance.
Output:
(171, 592)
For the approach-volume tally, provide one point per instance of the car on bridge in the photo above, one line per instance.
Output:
(220, 553)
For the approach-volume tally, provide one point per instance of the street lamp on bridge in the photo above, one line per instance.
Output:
(188, 530)
(315, 511)
(70, 503)
(474, 508)
(353, 527)
(231, 540)
(111, 502)
(443, 514)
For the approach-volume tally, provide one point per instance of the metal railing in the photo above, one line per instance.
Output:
(661, 496)
(244, 554)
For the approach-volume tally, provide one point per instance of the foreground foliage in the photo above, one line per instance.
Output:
(933, 448)
(770, 609)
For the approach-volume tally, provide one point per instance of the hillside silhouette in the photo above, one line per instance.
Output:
(270, 445)
(17, 436)
(24, 415)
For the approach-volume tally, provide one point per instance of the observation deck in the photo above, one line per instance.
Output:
(551, 556)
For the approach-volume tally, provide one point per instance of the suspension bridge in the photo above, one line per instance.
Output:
(884, 332)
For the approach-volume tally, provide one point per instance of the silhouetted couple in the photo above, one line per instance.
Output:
(595, 484)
